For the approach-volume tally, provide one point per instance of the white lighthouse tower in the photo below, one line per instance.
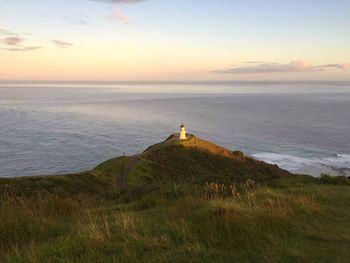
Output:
(182, 133)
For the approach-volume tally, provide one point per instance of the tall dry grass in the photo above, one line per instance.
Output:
(27, 220)
(103, 226)
(214, 223)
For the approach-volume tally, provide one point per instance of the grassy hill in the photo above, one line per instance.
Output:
(194, 161)
(178, 201)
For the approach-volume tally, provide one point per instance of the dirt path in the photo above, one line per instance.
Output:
(130, 164)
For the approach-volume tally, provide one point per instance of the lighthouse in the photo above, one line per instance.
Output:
(183, 133)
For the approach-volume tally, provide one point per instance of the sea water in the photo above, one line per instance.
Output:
(55, 128)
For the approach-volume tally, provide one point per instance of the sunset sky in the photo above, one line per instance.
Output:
(174, 40)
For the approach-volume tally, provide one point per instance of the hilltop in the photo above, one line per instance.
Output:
(192, 161)
(178, 201)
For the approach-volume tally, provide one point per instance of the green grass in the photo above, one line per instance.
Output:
(177, 223)
(253, 212)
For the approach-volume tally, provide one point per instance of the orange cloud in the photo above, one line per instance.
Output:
(118, 15)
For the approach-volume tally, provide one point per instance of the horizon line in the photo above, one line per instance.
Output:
(177, 82)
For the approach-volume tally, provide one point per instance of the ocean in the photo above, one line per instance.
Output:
(54, 128)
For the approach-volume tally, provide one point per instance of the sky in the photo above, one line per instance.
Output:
(139, 40)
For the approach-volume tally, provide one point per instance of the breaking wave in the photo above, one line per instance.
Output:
(335, 165)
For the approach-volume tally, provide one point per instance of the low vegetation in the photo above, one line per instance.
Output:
(184, 202)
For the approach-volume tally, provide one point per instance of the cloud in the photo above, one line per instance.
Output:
(7, 32)
(120, 1)
(118, 15)
(337, 66)
(61, 44)
(22, 49)
(253, 62)
(81, 22)
(294, 66)
(12, 41)
(14, 44)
